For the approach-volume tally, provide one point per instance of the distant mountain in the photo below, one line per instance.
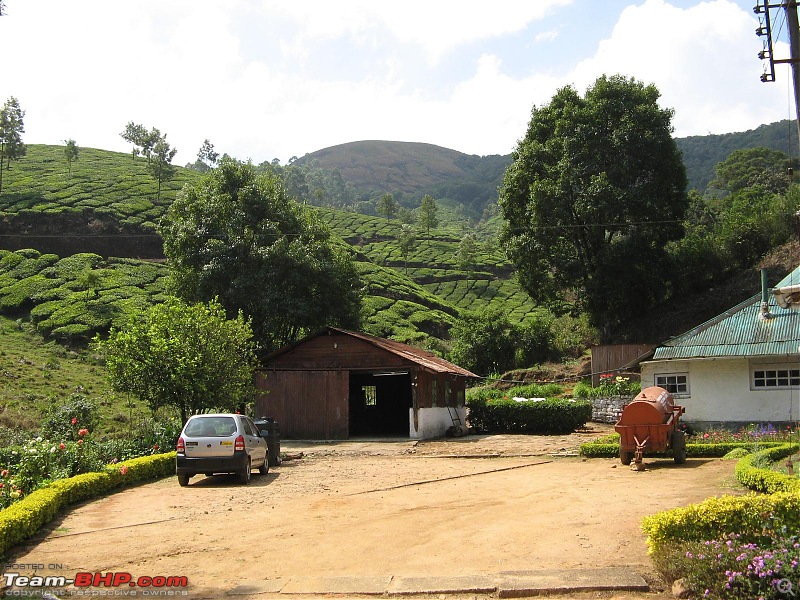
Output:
(409, 170)
(701, 153)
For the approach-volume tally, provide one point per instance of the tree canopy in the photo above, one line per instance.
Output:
(189, 357)
(12, 127)
(236, 235)
(595, 190)
(755, 167)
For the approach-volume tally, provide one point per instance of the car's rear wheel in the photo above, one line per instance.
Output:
(183, 480)
(244, 474)
(264, 469)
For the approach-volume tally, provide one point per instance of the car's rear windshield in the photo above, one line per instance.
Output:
(211, 427)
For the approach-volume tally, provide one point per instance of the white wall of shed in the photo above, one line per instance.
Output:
(433, 422)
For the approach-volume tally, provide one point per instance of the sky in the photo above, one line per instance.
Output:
(263, 79)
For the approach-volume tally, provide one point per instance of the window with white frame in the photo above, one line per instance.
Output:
(674, 383)
(775, 377)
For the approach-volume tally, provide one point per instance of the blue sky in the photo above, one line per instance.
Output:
(266, 79)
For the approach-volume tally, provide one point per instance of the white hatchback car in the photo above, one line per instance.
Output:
(220, 443)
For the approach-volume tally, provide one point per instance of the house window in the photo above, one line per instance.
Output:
(370, 395)
(771, 377)
(674, 383)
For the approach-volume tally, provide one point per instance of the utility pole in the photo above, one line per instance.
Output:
(765, 30)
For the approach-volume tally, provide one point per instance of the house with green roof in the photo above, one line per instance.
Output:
(740, 367)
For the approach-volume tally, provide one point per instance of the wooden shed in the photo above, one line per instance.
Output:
(337, 384)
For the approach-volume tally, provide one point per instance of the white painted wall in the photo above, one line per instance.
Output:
(719, 391)
(433, 422)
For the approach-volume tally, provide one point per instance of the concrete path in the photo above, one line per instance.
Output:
(510, 584)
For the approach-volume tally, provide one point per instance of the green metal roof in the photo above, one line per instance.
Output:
(740, 331)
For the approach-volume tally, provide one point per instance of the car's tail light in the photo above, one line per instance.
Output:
(180, 447)
(238, 445)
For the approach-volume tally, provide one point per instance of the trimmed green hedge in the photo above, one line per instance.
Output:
(605, 448)
(716, 517)
(23, 519)
(545, 416)
(750, 473)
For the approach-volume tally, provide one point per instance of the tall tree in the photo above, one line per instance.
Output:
(755, 167)
(136, 135)
(12, 127)
(189, 357)
(594, 191)
(70, 153)
(427, 213)
(238, 236)
(407, 241)
(467, 253)
(387, 206)
(161, 167)
(207, 156)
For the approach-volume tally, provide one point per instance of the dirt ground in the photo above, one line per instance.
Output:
(470, 506)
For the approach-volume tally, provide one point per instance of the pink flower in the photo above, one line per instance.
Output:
(123, 469)
(80, 441)
(74, 420)
(83, 432)
(4, 473)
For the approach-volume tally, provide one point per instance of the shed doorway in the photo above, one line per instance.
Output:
(379, 403)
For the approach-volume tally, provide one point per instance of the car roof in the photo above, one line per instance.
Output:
(217, 415)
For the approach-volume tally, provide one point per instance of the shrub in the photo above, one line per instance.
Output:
(62, 422)
(510, 416)
(24, 518)
(753, 471)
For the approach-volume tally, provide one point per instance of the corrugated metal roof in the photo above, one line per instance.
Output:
(740, 331)
(425, 359)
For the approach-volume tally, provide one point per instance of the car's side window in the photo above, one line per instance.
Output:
(248, 426)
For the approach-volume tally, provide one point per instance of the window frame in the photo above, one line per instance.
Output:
(792, 376)
(686, 383)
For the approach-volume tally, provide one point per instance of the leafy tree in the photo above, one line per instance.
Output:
(595, 190)
(186, 356)
(12, 127)
(70, 153)
(407, 241)
(427, 213)
(484, 342)
(90, 280)
(755, 167)
(237, 235)
(467, 253)
(136, 135)
(387, 206)
(161, 167)
(143, 141)
(207, 157)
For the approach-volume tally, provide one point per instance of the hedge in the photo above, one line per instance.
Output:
(751, 474)
(715, 517)
(544, 416)
(23, 519)
(605, 448)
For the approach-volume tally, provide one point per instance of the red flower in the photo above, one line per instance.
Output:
(61, 446)
(74, 420)
(4, 472)
(1, 485)
(123, 469)
(155, 446)
(83, 432)
(80, 441)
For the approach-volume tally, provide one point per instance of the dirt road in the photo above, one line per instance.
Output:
(377, 508)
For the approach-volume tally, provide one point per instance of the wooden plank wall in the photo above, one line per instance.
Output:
(337, 352)
(307, 404)
(606, 359)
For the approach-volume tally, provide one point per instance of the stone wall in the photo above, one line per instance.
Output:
(607, 409)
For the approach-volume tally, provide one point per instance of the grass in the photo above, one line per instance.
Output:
(36, 374)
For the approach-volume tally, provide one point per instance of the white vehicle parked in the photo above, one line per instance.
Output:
(220, 443)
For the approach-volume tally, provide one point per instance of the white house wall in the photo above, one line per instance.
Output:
(719, 392)
(433, 422)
